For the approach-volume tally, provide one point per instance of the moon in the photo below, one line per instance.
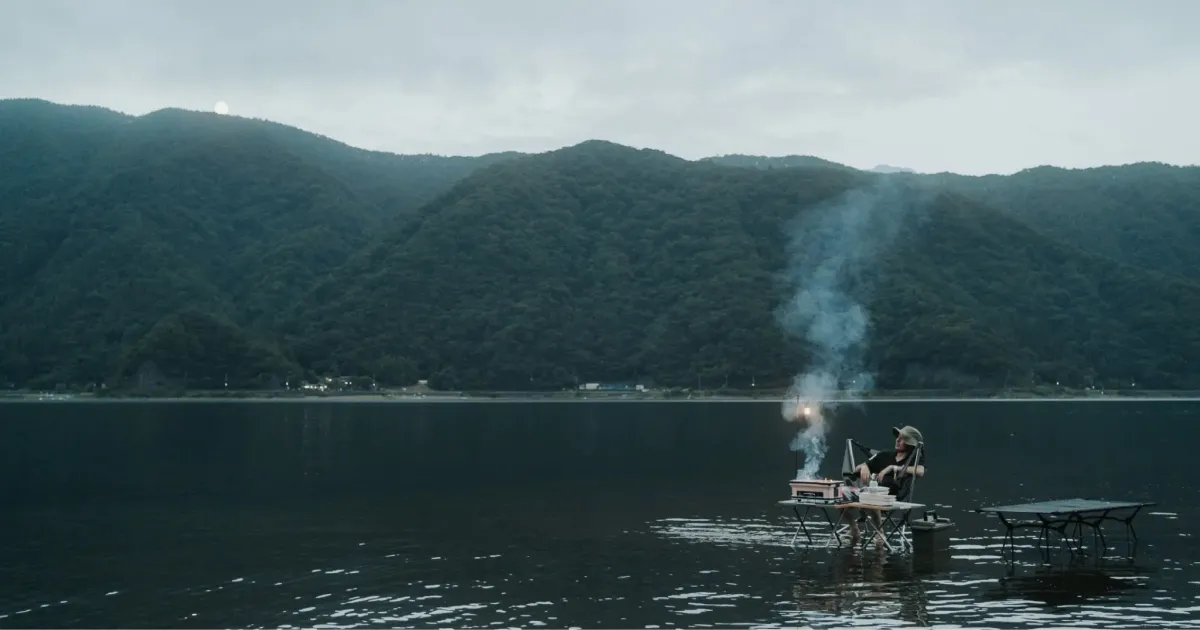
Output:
(221, 107)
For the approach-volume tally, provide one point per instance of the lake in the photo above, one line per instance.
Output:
(614, 514)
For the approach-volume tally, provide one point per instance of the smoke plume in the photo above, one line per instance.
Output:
(830, 250)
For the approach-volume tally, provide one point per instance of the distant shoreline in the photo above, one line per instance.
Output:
(598, 397)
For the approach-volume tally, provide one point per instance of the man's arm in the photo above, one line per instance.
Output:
(918, 471)
(896, 470)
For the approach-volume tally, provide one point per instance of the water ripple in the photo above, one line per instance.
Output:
(972, 584)
(698, 572)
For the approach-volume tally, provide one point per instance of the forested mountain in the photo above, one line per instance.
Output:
(205, 249)
(111, 225)
(1144, 214)
(394, 183)
(601, 262)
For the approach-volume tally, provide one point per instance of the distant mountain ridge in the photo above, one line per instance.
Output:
(767, 162)
(195, 250)
(884, 168)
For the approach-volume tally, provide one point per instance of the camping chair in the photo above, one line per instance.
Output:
(904, 494)
(907, 481)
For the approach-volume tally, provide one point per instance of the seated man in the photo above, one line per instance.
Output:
(889, 469)
(886, 466)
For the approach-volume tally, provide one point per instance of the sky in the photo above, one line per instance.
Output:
(968, 86)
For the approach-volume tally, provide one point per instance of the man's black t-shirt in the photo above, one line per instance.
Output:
(882, 460)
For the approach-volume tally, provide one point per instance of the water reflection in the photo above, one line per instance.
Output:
(561, 515)
(860, 584)
(1074, 584)
(968, 583)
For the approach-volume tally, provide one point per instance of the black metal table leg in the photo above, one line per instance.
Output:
(1130, 531)
(800, 519)
(833, 526)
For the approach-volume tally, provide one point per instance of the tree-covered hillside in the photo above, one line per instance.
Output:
(1147, 214)
(109, 224)
(598, 262)
(195, 249)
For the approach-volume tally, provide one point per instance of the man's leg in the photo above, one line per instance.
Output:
(877, 521)
(852, 515)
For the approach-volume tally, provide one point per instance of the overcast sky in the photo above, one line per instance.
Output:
(972, 86)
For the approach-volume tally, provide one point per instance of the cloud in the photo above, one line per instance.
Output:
(932, 85)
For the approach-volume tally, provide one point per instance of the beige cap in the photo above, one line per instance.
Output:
(910, 435)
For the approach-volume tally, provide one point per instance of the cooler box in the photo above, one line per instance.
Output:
(931, 534)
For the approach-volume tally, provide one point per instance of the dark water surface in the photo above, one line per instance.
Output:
(563, 514)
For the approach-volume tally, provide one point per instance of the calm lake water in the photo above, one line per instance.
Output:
(563, 514)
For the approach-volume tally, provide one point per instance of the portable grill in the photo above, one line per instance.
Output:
(817, 489)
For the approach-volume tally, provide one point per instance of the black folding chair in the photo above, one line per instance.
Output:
(904, 494)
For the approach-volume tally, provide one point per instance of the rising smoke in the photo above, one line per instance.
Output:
(831, 251)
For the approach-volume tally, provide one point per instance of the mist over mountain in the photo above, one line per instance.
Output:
(884, 168)
(200, 250)
(766, 162)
